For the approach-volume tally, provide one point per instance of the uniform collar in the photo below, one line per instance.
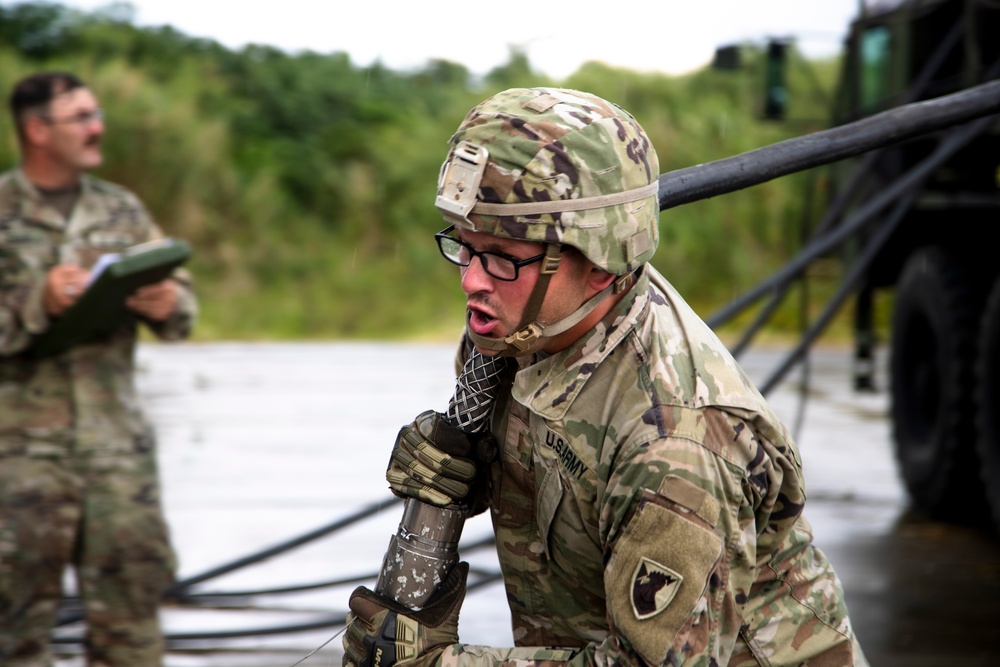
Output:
(33, 206)
(548, 386)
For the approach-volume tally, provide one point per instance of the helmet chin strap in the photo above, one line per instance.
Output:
(531, 334)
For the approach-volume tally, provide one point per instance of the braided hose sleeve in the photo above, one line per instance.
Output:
(425, 547)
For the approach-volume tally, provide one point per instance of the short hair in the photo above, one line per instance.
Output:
(34, 92)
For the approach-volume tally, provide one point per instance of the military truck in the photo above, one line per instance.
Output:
(932, 247)
(914, 215)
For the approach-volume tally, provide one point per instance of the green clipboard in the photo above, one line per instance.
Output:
(100, 310)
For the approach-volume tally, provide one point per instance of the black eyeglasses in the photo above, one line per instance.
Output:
(83, 118)
(497, 264)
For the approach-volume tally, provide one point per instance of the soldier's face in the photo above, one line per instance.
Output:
(73, 130)
(495, 306)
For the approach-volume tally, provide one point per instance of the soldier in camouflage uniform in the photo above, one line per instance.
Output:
(78, 477)
(647, 502)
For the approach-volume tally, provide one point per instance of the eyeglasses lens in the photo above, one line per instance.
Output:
(459, 253)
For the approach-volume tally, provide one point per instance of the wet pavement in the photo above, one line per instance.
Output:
(260, 444)
(920, 593)
(923, 594)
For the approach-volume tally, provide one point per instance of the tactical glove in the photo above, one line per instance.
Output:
(383, 633)
(432, 461)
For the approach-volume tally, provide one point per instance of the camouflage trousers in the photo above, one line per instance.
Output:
(101, 516)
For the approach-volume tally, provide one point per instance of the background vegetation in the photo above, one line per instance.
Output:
(305, 183)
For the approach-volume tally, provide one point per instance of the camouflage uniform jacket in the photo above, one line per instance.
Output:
(82, 400)
(648, 507)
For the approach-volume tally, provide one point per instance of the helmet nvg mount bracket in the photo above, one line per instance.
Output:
(459, 182)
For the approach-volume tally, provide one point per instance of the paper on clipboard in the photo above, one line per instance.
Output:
(100, 310)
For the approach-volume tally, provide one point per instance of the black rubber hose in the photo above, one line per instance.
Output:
(683, 186)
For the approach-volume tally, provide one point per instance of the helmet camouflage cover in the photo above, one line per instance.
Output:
(555, 166)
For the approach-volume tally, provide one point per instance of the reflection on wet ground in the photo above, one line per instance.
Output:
(924, 594)
(260, 443)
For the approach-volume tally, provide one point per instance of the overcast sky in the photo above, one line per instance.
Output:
(668, 35)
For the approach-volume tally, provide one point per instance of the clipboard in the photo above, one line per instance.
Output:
(100, 310)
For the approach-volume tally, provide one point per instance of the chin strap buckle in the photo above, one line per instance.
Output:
(622, 283)
(553, 256)
(523, 340)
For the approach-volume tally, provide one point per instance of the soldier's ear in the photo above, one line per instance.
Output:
(598, 278)
(36, 130)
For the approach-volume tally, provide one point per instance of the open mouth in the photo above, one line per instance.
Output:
(481, 322)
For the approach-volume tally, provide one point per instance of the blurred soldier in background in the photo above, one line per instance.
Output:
(78, 477)
(647, 503)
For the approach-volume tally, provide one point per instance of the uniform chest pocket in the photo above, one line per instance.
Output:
(97, 242)
(514, 478)
(566, 509)
(25, 246)
(550, 494)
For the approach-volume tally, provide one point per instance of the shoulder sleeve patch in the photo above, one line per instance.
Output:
(653, 587)
(656, 576)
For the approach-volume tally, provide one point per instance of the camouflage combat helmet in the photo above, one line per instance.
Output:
(554, 166)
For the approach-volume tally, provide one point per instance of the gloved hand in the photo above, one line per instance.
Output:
(383, 633)
(432, 461)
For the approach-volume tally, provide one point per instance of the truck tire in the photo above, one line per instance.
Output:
(934, 337)
(988, 401)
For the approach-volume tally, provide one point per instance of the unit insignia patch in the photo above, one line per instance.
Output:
(653, 587)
